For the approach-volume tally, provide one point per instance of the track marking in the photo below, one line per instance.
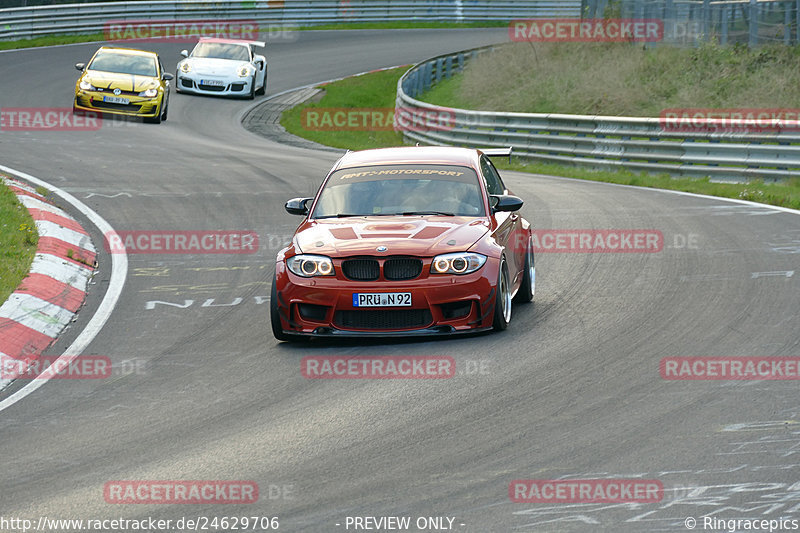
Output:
(119, 271)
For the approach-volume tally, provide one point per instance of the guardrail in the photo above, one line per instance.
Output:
(636, 143)
(29, 22)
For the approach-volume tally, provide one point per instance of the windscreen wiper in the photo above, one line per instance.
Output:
(442, 213)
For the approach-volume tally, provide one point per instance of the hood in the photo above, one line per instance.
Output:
(210, 66)
(427, 236)
(123, 82)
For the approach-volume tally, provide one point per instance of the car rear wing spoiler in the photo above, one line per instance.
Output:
(260, 44)
(498, 152)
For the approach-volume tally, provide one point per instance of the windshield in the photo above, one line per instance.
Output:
(236, 52)
(125, 64)
(401, 189)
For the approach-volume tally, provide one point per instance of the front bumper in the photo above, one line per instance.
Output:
(192, 83)
(139, 106)
(440, 305)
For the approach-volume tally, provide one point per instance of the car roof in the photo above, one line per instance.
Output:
(127, 51)
(429, 155)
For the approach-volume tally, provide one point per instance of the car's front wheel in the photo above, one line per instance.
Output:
(252, 89)
(263, 88)
(502, 304)
(528, 286)
(274, 314)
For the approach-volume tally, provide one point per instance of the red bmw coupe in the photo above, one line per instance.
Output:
(404, 241)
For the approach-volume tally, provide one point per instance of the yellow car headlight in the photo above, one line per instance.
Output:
(86, 86)
(149, 93)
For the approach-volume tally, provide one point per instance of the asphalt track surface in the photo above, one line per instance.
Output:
(571, 390)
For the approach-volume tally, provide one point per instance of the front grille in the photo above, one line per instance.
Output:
(119, 107)
(237, 86)
(361, 269)
(383, 319)
(215, 88)
(400, 268)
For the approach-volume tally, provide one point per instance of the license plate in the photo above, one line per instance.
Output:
(381, 299)
(116, 100)
(219, 83)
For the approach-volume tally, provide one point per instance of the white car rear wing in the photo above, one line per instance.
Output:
(498, 152)
(260, 44)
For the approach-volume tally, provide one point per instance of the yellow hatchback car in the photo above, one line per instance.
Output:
(123, 81)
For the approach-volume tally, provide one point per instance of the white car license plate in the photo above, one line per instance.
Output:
(116, 100)
(381, 299)
(219, 83)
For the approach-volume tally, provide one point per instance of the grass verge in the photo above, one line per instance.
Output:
(18, 240)
(377, 90)
(54, 40)
(368, 91)
(626, 80)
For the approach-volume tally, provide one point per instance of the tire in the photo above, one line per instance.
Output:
(166, 109)
(252, 89)
(274, 315)
(528, 286)
(263, 88)
(502, 305)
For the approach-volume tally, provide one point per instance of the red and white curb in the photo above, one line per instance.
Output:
(50, 296)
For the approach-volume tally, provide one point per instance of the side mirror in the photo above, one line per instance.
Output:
(505, 202)
(185, 53)
(167, 76)
(80, 66)
(297, 206)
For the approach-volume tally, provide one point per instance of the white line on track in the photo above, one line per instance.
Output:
(119, 271)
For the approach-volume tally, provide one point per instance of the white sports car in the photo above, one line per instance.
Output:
(224, 67)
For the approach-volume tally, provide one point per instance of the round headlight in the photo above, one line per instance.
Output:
(309, 268)
(243, 71)
(441, 265)
(186, 67)
(459, 265)
(324, 268)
